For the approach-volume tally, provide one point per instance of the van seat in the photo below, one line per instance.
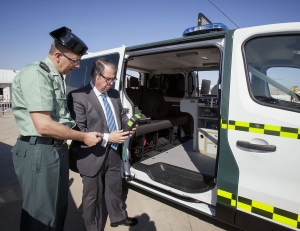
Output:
(177, 120)
(154, 126)
(153, 105)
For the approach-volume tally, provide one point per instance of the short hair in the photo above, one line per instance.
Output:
(56, 46)
(99, 66)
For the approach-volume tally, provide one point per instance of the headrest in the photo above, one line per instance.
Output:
(69, 40)
(133, 82)
(151, 83)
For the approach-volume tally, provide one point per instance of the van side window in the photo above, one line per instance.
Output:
(274, 71)
(82, 76)
(132, 79)
(289, 80)
(212, 76)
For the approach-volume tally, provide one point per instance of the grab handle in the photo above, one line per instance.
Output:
(245, 144)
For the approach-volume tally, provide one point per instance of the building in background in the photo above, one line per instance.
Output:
(6, 79)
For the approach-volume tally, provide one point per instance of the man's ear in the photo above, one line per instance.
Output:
(95, 76)
(57, 56)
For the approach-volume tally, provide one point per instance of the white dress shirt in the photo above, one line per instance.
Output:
(98, 94)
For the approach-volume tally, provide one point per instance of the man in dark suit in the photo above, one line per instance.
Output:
(97, 107)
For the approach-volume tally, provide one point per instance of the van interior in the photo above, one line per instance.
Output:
(176, 141)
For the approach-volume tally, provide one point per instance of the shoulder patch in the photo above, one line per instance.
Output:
(44, 66)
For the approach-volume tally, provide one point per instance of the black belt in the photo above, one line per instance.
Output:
(42, 140)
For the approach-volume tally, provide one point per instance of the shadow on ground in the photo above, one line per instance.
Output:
(75, 222)
(11, 197)
(11, 203)
(191, 212)
(10, 191)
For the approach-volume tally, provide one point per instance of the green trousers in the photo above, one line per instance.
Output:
(43, 173)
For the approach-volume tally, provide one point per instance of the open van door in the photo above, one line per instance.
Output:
(263, 128)
(82, 76)
(175, 154)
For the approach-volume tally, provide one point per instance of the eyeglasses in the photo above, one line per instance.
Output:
(110, 80)
(75, 62)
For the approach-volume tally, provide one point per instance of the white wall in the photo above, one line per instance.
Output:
(6, 79)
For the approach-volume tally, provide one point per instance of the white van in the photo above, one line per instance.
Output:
(220, 129)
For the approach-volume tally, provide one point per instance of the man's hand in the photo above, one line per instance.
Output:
(92, 138)
(118, 136)
(133, 130)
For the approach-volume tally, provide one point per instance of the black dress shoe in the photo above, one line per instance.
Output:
(127, 222)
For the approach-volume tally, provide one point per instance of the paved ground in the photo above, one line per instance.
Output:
(152, 212)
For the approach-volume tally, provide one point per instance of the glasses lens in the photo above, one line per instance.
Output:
(110, 80)
(72, 60)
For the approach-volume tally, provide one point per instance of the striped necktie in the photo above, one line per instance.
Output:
(110, 118)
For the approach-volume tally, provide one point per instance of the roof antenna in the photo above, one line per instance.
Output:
(223, 13)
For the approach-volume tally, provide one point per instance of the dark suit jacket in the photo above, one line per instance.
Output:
(86, 110)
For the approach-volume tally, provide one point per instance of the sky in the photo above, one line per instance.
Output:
(102, 25)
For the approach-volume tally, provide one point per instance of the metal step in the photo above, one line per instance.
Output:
(176, 177)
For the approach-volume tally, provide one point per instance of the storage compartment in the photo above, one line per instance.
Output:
(207, 141)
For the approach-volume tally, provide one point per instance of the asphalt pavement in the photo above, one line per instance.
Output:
(153, 213)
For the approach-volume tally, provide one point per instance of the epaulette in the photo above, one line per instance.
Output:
(44, 66)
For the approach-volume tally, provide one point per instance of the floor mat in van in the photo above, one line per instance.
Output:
(176, 177)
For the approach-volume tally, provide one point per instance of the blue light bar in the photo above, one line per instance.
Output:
(204, 29)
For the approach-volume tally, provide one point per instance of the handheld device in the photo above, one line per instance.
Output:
(132, 122)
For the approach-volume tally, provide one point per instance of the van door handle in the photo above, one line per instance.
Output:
(245, 144)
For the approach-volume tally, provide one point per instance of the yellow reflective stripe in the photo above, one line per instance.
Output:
(227, 195)
(224, 194)
(267, 129)
(242, 124)
(232, 127)
(244, 206)
(285, 220)
(257, 130)
(289, 135)
(263, 206)
(268, 211)
(272, 127)
(223, 124)
(233, 202)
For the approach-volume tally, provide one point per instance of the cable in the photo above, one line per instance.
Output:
(223, 13)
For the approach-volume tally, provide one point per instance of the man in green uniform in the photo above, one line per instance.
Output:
(40, 155)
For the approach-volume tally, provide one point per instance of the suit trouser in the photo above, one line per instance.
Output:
(43, 173)
(107, 183)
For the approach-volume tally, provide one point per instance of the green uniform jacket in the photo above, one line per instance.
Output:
(39, 87)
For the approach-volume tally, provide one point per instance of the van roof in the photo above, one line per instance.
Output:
(211, 35)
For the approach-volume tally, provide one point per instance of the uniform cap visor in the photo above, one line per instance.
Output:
(69, 40)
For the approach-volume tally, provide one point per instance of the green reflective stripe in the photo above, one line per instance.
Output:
(266, 129)
(129, 123)
(262, 209)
